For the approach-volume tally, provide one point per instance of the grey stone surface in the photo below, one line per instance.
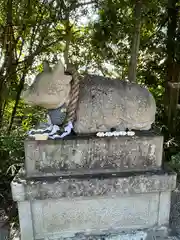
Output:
(49, 89)
(161, 233)
(26, 220)
(125, 237)
(115, 237)
(60, 209)
(27, 189)
(153, 234)
(93, 154)
(65, 218)
(103, 103)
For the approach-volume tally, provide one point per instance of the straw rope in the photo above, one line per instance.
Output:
(74, 93)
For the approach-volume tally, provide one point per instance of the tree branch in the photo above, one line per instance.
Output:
(84, 4)
(135, 42)
(39, 50)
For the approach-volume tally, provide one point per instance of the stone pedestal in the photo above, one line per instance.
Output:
(89, 154)
(93, 188)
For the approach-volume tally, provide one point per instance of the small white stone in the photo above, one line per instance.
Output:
(116, 134)
(111, 134)
(130, 133)
(123, 133)
(100, 134)
(108, 134)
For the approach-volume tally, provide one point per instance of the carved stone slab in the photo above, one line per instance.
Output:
(89, 154)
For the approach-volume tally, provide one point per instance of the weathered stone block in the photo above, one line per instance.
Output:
(53, 187)
(96, 215)
(87, 154)
(91, 205)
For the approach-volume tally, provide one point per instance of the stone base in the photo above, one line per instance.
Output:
(151, 234)
(162, 233)
(62, 208)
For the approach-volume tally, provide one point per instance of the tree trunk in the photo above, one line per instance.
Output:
(8, 71)
(67, 41)
(135, 42)
(18, 96)
(171, 94)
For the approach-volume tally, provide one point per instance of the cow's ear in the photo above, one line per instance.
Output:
(46, 67)
(58, 69)
(59, 74)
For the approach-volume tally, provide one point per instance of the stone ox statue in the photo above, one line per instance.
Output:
(103, 103)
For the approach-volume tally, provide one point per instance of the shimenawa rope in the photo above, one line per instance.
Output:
(74, 93)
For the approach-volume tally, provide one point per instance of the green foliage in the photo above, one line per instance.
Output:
(11, 154)
(12, 158)
(112, 37)
(40, 30)
(175, 163)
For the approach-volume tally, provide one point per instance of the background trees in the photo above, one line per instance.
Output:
(124, 39)
(139, 40)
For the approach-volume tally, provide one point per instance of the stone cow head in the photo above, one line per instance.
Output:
(50, 88)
